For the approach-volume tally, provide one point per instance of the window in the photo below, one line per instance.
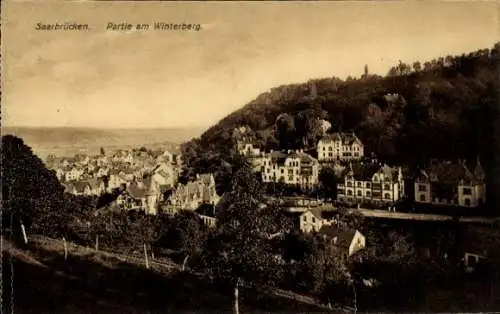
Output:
(356, 154)
(290, 178)
(282, 171)
(387, 196)
(467, 191)
(349, 192)
(387, 187)
(422, 197)
(330, 154)
(359, 192)
(368, 193)
(368, 185)
(467, 202)
(330, 148)
(349, 183)
(359, 184)
(314, 220)
(305, 218)
(471, 260)
(422, 188)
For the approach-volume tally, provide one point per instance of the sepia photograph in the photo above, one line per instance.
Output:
(250, 157)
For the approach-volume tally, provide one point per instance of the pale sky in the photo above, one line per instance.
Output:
(100, 78)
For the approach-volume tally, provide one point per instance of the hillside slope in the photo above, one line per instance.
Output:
(42, 281)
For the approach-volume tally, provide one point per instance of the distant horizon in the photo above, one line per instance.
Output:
(104, 128)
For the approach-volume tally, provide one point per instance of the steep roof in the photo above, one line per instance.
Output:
(277, 156)
(344, 236)
(135, 191)
(321, 214)
(79, 186)
(362, 171)
(345, 138)
(451, 172)
(206, 178)
(95, 182)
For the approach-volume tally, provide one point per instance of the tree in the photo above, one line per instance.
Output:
(103, 153)
(239, 251)
(309, 126)
(32, 194)
(417, 66)
(328, 180)
(285, 131)
(323, 270)
(186, 233)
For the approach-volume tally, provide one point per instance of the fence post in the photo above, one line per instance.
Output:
(24, 233)
(146, 256)
(65, 249)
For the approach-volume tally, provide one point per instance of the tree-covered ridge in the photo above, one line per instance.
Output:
(32, 194)
(443, 108)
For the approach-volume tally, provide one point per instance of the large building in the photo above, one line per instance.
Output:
(194, 194)
(340, 147)
(292, 168)
(371, 183)
(247, 149)
(451, 183)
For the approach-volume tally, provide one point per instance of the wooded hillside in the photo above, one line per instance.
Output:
(444, 108)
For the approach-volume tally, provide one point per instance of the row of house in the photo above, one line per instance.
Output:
(441, 183)
(135, 162)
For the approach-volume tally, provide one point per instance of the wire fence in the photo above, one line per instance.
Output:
(163, 262)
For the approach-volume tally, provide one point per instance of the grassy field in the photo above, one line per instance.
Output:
(42, 281)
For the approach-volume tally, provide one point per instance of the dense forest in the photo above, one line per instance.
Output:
(445, 108)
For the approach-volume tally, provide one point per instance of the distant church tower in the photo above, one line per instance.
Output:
(365, 75)
(313, 90)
